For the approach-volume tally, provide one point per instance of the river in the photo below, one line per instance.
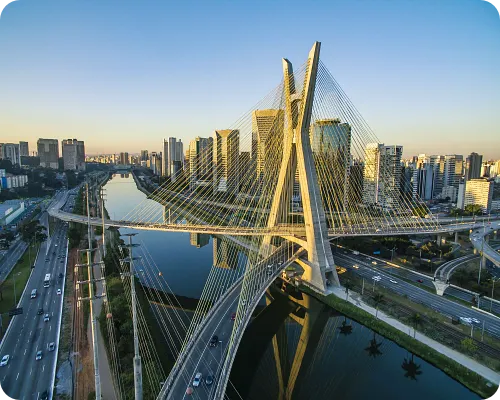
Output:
(339, 359)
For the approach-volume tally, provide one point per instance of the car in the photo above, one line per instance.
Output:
(39, 355)
(475, 320)
(376, 277)
(46, 318)
(44, 395)
(47, 259)
(33, 294)
(55, 245)
(40, 311)
(420, 281)
(213, 342)
(61, 275)
(5, 360)
(466, 320)
(374, 262)
(355, 266)
(59, 291)
(209, 380)
(393, 281)
(197, 379)
(233, 316)
(52, 346)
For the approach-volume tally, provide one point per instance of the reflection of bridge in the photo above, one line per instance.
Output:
(307, 143)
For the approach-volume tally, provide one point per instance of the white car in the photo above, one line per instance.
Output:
(355, 266)
(5, 360)
(376, 278)
(59, 291)
(374, 262)
(393, 281)
(475, 320)
(197, 379)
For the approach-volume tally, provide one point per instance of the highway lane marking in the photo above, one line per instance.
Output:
(31, 371)
(25, 351)
(17, 376)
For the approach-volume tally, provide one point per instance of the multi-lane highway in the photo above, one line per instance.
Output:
(24, 377)
(367, 270)
(9, 260)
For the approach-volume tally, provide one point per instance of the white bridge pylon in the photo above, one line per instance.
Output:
(298, 156)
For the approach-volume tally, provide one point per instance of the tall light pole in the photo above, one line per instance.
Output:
(492, 292)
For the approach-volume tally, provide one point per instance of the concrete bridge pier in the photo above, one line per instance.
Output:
(456, 237)
(440, 287)
(439, 240)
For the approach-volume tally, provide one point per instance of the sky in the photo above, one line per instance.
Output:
(123, 75)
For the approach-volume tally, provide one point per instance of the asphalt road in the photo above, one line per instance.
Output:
(24, 377)
(437, 303)
(10, 259)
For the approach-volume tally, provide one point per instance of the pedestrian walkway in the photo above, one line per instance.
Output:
(485, 372)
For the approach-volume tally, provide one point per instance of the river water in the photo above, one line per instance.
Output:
(338, 359)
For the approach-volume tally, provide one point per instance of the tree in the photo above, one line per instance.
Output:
(412, 369)
(348, 285)
(473, 209)
(378, 299)
(469, 345)
(416, 320)
(33, 231)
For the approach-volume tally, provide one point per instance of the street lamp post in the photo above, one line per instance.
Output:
(492, 293)
(15, 295)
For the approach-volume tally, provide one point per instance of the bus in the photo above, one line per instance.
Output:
(46, 281)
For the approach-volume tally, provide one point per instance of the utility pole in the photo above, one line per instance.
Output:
(137, 358)
(492, 293)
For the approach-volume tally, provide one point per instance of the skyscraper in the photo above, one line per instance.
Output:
(331, 145)
(200, 162)
(11, 152)
(226, 152)
(473, 166)
(144, 155)
(479, 192)
(382, 174)
(48, 151)
(452, 173)
(267, 139)
(24, 149)
(73, 152)
(173, 157)
(124, 160)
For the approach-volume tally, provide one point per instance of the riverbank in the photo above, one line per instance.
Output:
(465, 370)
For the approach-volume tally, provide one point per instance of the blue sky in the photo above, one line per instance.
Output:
(122, 75)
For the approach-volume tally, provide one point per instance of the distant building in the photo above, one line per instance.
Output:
(226, 151)
(461, 195)
(450, 192)
(10, 210)
(382, 175)
(144, 155)
(24, 149)
(173, 157)
(73, 152)
(200, 162)
(473, 166)
(124, 159)
(48, 151)
(11, 152)
(155, 163)
(355, 183)
(479, 192)
(267, 137)
(423, 180)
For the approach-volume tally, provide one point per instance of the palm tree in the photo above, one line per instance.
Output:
(416, 320)
(373, 348)
(378, 298)
(412, 369)
(348, 285)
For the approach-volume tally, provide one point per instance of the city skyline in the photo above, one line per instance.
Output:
(410, 87)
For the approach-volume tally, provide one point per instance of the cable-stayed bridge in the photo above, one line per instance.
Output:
(301, 167)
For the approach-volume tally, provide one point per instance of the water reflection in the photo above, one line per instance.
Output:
(295, 347)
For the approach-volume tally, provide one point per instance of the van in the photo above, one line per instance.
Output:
(33, 293)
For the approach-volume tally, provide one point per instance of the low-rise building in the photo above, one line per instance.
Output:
(9, 210)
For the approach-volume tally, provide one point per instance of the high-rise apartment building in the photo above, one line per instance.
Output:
(48, 151)
(473, 166)
(173, 157)
(124, 159)
(73, 152)
(331, 145)
(479, 192)
(382, 175)
(226, 151)
(424, 177)
(144, 155)
(200, 162)
(452, 174)
(155, 163)
(11, 152)
(24, 149)
(267, 140)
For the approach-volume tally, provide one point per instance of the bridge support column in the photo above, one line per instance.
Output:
(456, 237)
(440, 287)
(439, 240)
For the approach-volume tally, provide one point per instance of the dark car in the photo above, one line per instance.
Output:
(44, 396)
(40, 311)
(420, 281)
(61, 275)
(209, 380)
(213, 342)
(233, 316)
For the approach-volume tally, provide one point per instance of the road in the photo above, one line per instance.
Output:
(9, 260)
(24, 377)
(438, 303)
(477, 238)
